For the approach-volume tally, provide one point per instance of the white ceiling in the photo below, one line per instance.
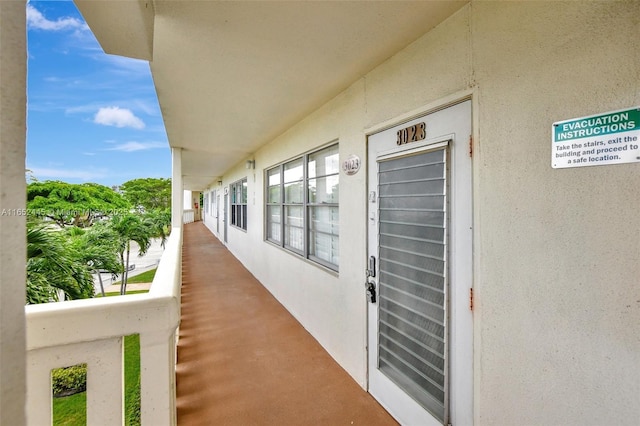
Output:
(231, 76)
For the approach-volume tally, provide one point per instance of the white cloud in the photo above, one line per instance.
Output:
(61, 174)
(138, 146)
(35, 19)
(118, 117)
(89, 153)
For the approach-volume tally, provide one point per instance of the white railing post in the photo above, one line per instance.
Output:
(176, 187)
(158, 383)
(188, 216)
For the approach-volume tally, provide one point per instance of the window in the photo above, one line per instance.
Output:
(302, 206)
(239, 204)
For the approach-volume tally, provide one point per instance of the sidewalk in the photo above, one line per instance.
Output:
(130, 287)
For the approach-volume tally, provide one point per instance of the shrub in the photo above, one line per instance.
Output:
(69, 380)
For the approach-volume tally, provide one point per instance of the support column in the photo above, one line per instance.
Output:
(13, 102)
(176, 187)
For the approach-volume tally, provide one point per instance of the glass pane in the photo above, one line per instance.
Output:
(324, 234)
(324, 190)
(244, 217)
(273, 176)
(324, 220)
(293, 193)
(274, 223)
(325, 162)
(274, 194)
(244, 192)
(293, 171)
(293, 227)
(324, 247)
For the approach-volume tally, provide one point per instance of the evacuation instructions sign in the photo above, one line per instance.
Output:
(609, 138)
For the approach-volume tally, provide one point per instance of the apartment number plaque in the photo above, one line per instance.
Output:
(351, 165)
(414, 133)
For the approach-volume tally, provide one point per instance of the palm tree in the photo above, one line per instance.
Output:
(98, 247)
(130, 227)
(160, 222)
(53, 264)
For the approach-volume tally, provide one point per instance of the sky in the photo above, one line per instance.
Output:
(92, 117)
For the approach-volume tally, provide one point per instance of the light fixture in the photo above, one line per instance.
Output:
(250, 164)
(219, 183)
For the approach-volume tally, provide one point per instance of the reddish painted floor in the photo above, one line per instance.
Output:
(244, 360)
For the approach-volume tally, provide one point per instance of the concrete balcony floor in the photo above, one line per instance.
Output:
(244, 360)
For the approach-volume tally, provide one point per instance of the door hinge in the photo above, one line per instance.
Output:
(471, 146)
(471, 299)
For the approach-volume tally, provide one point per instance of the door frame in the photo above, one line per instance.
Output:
(225, 215)
(430, 108)
(217, 194)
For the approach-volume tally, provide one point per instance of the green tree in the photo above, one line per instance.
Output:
(98, 248)
(148, 193)
(73, 204)
(160, 224)
(131, 227)
(54, 263)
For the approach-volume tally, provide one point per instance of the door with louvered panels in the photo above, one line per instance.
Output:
(420, 235)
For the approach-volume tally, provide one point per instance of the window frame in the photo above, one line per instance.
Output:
(234, 187)
(306, 206)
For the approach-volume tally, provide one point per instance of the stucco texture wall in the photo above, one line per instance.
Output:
(556, 251)
(557, 260)
(13, 73)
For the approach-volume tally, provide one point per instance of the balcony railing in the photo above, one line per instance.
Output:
(91, 331)
(188, 216)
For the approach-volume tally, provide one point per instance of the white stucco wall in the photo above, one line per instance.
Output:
(556, 250)
(559, 306)
(13, 73)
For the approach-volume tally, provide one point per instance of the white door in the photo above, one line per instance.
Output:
(420, 246)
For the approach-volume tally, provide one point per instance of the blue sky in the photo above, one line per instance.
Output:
(92, 117)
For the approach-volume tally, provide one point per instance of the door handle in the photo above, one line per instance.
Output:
(371, 271)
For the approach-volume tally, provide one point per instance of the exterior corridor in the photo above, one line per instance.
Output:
(244, 360)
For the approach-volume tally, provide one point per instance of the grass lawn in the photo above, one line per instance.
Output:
(117, 293)
(145, 277)
(72, 410)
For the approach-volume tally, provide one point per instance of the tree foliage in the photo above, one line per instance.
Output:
(73, 204)
(141, 229)
(98, 248)
(130, 227)
(148, 193)
(65, 258)
(55, 263)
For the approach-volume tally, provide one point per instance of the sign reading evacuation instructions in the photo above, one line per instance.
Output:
(611, 138)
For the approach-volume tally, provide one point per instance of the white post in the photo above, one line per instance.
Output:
(13, 101)
(176, 187)
(158, 378)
